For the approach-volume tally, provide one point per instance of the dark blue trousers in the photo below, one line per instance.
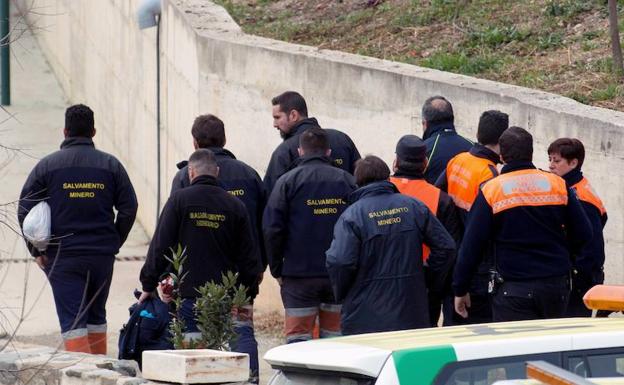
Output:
(80, 287)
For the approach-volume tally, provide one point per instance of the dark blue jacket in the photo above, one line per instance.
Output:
(530, 242)
(240, 180)
(214, 228)
(590, 259)
(147, 329)
(82, 186)
(443, 143)
(285, 157)
(300, 216)
(375, 260)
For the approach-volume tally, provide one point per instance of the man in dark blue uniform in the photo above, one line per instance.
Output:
(290, 117)
(214, 228)
(440, 137)
(298, 223)
(375, 261)
(82, 186)
(243, 182)
(235, 176)
(535, 222)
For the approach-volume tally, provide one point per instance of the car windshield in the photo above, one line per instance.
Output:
(317, 378)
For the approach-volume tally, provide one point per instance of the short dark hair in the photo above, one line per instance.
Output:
(516, 144)
(203, 162)
(370, 169)
(208, 131)
(492, 124)
(314, 141)
(411, 167)
(291, 100)
(79, 121)
(568, 149)
(437, 110)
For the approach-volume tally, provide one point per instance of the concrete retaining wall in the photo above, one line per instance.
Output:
(208, 65)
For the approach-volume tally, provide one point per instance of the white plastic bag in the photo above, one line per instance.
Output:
(36, 227)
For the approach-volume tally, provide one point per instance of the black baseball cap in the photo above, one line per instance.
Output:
(411, 148)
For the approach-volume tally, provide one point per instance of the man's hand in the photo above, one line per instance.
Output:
(462, 304)
(145, 295)
(41, 261)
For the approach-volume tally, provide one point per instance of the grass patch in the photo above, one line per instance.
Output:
(462, 63)
(568, 9)
(610, 92)
(495, 36)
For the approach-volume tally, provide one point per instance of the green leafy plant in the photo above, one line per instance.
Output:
(177, 326)
(213, 308)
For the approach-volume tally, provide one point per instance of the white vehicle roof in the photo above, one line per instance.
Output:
(430, 349)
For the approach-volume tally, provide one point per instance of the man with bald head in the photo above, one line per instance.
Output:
(214, 228)
(440, 137)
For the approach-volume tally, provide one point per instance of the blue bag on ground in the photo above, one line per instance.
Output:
(147, 329)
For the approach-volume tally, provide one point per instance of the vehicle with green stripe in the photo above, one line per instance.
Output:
(458, 355)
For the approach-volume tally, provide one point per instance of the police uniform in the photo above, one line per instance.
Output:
(443, 143)
(410, 148)
(375, 260)
(344, 154)
(82, 186)
(534, 222)
(298, 222)
(588, 263)
(243, 182)
(463, 177)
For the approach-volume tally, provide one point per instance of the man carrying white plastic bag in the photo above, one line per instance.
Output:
(82, 186)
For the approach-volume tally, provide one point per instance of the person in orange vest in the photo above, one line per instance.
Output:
(566, 156)
(536, 224)
(409, 178)
(464, 174)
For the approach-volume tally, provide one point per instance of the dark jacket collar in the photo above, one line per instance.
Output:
(219, 152)
(314, 159)
(206, 180)
(301, 126)
(480, 151)
(77, 141)
(573, 177)
(516, 166)
(377, 188)
(438, 128)
(408, 175)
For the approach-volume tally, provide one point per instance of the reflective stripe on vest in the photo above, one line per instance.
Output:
(424, 192)
(464, 174)
(525, 188)
(586, 193)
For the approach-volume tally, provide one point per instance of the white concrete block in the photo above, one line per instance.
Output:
(195, 366)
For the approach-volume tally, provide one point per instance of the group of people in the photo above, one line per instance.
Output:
(446, 236)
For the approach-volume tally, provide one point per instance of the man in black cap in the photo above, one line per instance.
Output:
(409, 166)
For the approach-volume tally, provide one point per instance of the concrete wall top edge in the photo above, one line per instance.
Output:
(218, 25)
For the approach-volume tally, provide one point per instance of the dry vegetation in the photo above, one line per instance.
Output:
(560, 46)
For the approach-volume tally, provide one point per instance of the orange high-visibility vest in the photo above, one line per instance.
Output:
(586, 193)
(464, 174)
(424, 192)
(525, 188)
